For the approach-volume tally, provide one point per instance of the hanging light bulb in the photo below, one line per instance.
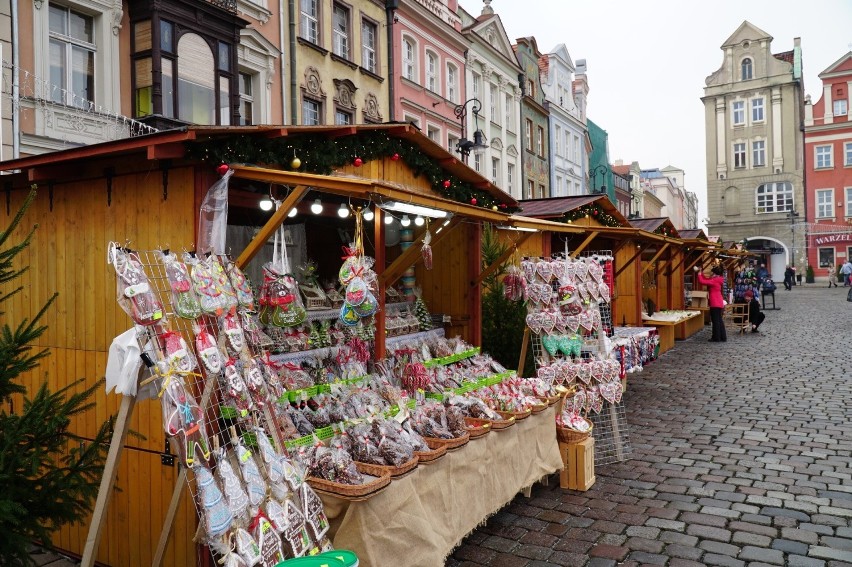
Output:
(388, 219)
(343, 211)
(265, 204)
(368, 214)
(405, 221)
(316, 208)
(293, 212)
(419, 221)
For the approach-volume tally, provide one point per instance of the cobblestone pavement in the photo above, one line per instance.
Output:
(742, 455)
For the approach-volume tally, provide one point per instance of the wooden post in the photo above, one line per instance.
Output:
(271, 226)
(576, 252)
(116, 446)
(381, 271)
(474, 273)
(524, 344)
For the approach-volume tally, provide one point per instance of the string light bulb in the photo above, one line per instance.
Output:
(419, 221)
(265, 204)
(368, 214)
(293, 212)
(343, 211)
(405, 221)
(388, 219)
(316, 208)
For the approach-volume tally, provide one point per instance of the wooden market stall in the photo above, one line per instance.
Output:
(697, 250)
(146, 191)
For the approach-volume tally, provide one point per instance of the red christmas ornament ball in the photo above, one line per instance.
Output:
(222, 169)
(395, 157)
(473, 201)
(358, 162)
(595, 213)
(503, 205)
(446, 183)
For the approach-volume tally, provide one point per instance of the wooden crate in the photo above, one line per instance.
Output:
(578, 464)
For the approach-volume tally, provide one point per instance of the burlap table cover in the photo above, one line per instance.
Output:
(419, 519)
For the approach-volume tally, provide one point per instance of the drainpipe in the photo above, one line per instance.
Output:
(16, 137)
(390, 8)
(283, 65)
(291, 7)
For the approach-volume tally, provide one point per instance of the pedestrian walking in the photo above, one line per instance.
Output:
(789, 274)
(715, 300)
(832, 275)
(845, 271)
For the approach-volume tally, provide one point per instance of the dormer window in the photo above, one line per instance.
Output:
(746, 69)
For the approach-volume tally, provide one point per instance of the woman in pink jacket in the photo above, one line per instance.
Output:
(717, 304)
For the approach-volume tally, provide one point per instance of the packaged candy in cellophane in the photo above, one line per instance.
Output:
(184, 299)
(212, 299)
(184, 420)
(426, 250)
(514, 284)
(216, 518)
(135, 295)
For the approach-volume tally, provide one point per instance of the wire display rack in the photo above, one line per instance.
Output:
(612, 434)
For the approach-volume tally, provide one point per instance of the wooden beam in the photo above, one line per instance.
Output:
(474, 271)
(675, 267)
(629, 262)
(654, 259)
(271, 226)
(380, 337)
(524, 344)
(577, 251)
(409, 257)
(339, 133)
(502, 259)
(175, 150)
(275, 133)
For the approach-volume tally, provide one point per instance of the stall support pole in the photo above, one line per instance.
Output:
(271, 226)
(474, 271)
(379, 239)
(524, 345)
(577, 251)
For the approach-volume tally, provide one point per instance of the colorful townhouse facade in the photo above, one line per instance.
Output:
(828, 169)
(491, 75)
(535, 122)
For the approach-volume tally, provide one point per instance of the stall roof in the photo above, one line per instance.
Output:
(169, 144)
(693, 233)
(654, 224)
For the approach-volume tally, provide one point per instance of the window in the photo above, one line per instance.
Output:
(368, 46)
(477, 162)
(746, 69)
(839, 108)
(509, 123)
(558, 186)
(510, 175)
(530, 189)
(739, 112)
(757, 110)
(758, 153)
(311, 112)
(528, 131)
(477, 85)
(246, 100)
(541, 192)
(847, 151)
(310, 20)
(196, 80)
(495, 104)
(775, 197)
(433, 134)
(432, 72)
(72, 56)
(452, 80)
(409, 59)
(823, 157)
(576, 150)
(495, 171)
(539, 142)
(826, 257)
(531, 88)
(452, 143)
(556, 139)
(340, 31)
(824, 202)
(849, 203)
(739, 155)
(342, 117)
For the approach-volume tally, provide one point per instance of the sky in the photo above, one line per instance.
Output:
(647, 61)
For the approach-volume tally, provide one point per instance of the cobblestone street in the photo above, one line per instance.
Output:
(742, 455)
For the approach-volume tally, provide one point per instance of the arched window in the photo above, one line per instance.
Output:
(409, 59)
(431, 71)
(746, 69)
(774, 197)
(196, 81)
(452, 83)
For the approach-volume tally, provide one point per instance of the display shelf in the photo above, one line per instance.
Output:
(323, 314)
(472, 386)
(414, 336)
(452, 358)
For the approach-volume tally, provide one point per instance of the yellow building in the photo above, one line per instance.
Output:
(340, 68)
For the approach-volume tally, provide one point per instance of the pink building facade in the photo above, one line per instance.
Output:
(428, 78)
(828, 169)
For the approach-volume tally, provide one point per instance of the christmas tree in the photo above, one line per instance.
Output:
(422, 312)
(49, 476)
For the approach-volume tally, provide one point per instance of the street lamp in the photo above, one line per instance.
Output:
(634, 202)
(793, 215)
(465, 146)
(593, 174)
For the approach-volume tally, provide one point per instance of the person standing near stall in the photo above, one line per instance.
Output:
(789, 274)
(832, 275)
(715, 301)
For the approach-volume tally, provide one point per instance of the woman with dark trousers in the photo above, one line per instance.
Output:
(789, 274)
(714, 298)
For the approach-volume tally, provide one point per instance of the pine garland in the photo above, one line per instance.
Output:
(594, 211)
(322, 155)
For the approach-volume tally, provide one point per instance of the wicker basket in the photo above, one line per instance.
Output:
(400, 471)
(477, 428)
(538, 408)
(381, 480)
(549, 400)
(429, 457)
(518, 415)
(450, 444)
(565, 435)
(501, 424)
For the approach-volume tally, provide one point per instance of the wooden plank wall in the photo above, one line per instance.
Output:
(446, 288)
(663, 286)
(68, 255)
(392, 171)
(676, 279)
(628, 288)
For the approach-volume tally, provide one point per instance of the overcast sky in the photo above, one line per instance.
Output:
(647, 61)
